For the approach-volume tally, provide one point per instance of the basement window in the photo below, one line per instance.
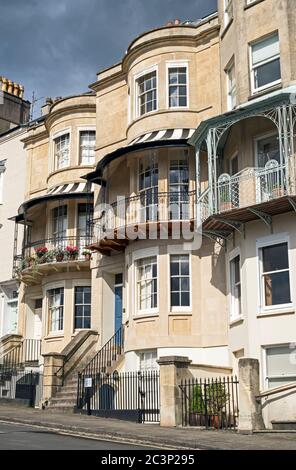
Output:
(280, 365)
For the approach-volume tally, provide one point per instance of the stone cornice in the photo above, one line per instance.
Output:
(72, 109)
(154, 44)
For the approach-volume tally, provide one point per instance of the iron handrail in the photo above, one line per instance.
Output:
(276, 390)
(107, 354)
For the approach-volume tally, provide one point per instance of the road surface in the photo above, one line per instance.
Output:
(21, 437)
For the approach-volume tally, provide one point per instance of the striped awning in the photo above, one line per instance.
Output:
(166, 134)
(71, 188)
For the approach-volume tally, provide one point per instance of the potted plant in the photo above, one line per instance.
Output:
(225, 201)
(59, 254)
(277, 191)
(217, 398)
(30, 260)
(40, 254)
(71, 252)
(87, 254)
(197, 411)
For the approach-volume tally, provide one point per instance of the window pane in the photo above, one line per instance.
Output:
(185, 268)
(280, 361)
(175, 284)
(185, 301)
(175, 299)
(275, 257)
(277, 288)
(265, 49)
(267, 73)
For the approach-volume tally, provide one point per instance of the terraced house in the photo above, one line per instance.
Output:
(192, 130)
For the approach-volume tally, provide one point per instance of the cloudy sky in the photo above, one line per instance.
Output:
(55, 47)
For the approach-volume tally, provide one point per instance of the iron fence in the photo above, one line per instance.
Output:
(27, 351)
(132, 396)
(210, 403)
(22, 385)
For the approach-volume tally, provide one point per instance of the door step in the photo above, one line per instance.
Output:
(284, 425)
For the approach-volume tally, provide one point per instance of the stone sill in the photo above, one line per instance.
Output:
(272, 313)
(250, 5)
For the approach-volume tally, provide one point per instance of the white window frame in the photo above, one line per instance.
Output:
(234, 317)
(227, 17)
(74, 305)
(79, 130)
(145, 352)
(137, 256)
(50, 331)
(54, 167)
(171, 65)
(231, 90)
(252, 69)
(153, 309)
(262, 243)
(175, 251)
(137, 76)
(265, 378)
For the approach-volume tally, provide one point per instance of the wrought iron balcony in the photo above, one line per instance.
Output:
(53, 250)
(150, 207)
(249, 187)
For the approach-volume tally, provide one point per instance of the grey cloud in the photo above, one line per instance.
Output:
(55, 47)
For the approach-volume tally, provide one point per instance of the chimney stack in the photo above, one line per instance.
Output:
(13, 88)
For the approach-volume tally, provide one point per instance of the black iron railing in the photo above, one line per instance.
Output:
(27, 351)
(21, 384)
(56, 247)
(107, 355)
(147, 206)
(210, 403)
(132, 396)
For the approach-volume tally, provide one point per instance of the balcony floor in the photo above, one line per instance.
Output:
(243, 215)
(120, 238)
(33, 275)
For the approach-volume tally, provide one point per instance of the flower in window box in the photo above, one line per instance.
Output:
(40, 252)
(59, 254)
(87, 254)
(71, 252)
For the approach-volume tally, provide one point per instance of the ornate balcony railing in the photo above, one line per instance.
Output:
(149, 206)
(249, 187)
(56, 249)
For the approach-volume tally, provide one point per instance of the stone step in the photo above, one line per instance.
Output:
(284, 425)
(62, 402)
(65, 394)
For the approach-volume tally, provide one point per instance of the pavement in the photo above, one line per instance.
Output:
(144, 435)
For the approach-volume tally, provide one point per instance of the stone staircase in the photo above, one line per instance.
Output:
(106, 360)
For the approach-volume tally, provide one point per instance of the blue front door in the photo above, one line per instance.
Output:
(118, 302)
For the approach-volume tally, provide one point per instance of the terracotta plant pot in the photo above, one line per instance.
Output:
(225, 206)
(197, 419)
(277, 192)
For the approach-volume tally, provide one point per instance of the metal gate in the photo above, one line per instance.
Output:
(133, 396)
(210, 403)
(21, 385)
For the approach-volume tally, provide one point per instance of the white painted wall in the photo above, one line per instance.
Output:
(12, 151)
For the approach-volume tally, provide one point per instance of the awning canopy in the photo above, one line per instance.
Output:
(70, 188)
(161, 138)
(65, 191)
(251, 109)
